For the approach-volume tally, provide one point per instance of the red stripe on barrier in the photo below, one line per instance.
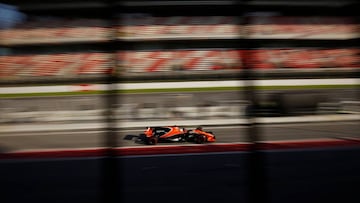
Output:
(54, 154)
(185, 149)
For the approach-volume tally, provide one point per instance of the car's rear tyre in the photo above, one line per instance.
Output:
(152, 141)
(200, 139)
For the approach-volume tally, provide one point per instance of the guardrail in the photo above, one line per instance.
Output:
(134, 112)
(55, 123)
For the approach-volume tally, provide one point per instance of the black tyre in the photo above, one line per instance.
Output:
(200, 139)
(152, 141)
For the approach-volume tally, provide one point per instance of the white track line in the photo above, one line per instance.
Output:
(171, 85)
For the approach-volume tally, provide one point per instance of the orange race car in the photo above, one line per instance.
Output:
(153, 135)
(200, 136)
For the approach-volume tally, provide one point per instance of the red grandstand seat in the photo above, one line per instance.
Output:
(51, 65)
(10, 66)
(260, 59)
(301, 58)
(347, 58)
(94, 63)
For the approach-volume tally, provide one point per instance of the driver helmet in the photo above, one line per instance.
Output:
(199, 128)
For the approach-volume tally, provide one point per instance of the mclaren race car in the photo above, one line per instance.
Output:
(199, 136)
(153, 135)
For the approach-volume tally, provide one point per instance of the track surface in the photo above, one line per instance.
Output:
(226, 134)
(230, 134)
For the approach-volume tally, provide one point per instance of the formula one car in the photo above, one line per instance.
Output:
(199, 136)
(153, 135)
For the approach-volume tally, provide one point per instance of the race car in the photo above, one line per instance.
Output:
(200, 136)
(152, 135)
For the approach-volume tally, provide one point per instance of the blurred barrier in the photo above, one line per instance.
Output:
(134, 113)
(127, 114)
(180, 107)
(350, 107)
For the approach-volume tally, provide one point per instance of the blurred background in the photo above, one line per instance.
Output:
(79, 75)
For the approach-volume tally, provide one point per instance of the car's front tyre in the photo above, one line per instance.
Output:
(152, 141)
(199, 139)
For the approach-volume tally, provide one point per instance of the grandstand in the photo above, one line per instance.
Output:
(97, 63)
(168, 49)
(63, 65)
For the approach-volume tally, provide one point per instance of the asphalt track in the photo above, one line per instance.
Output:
(228, 134)
(21, 141)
